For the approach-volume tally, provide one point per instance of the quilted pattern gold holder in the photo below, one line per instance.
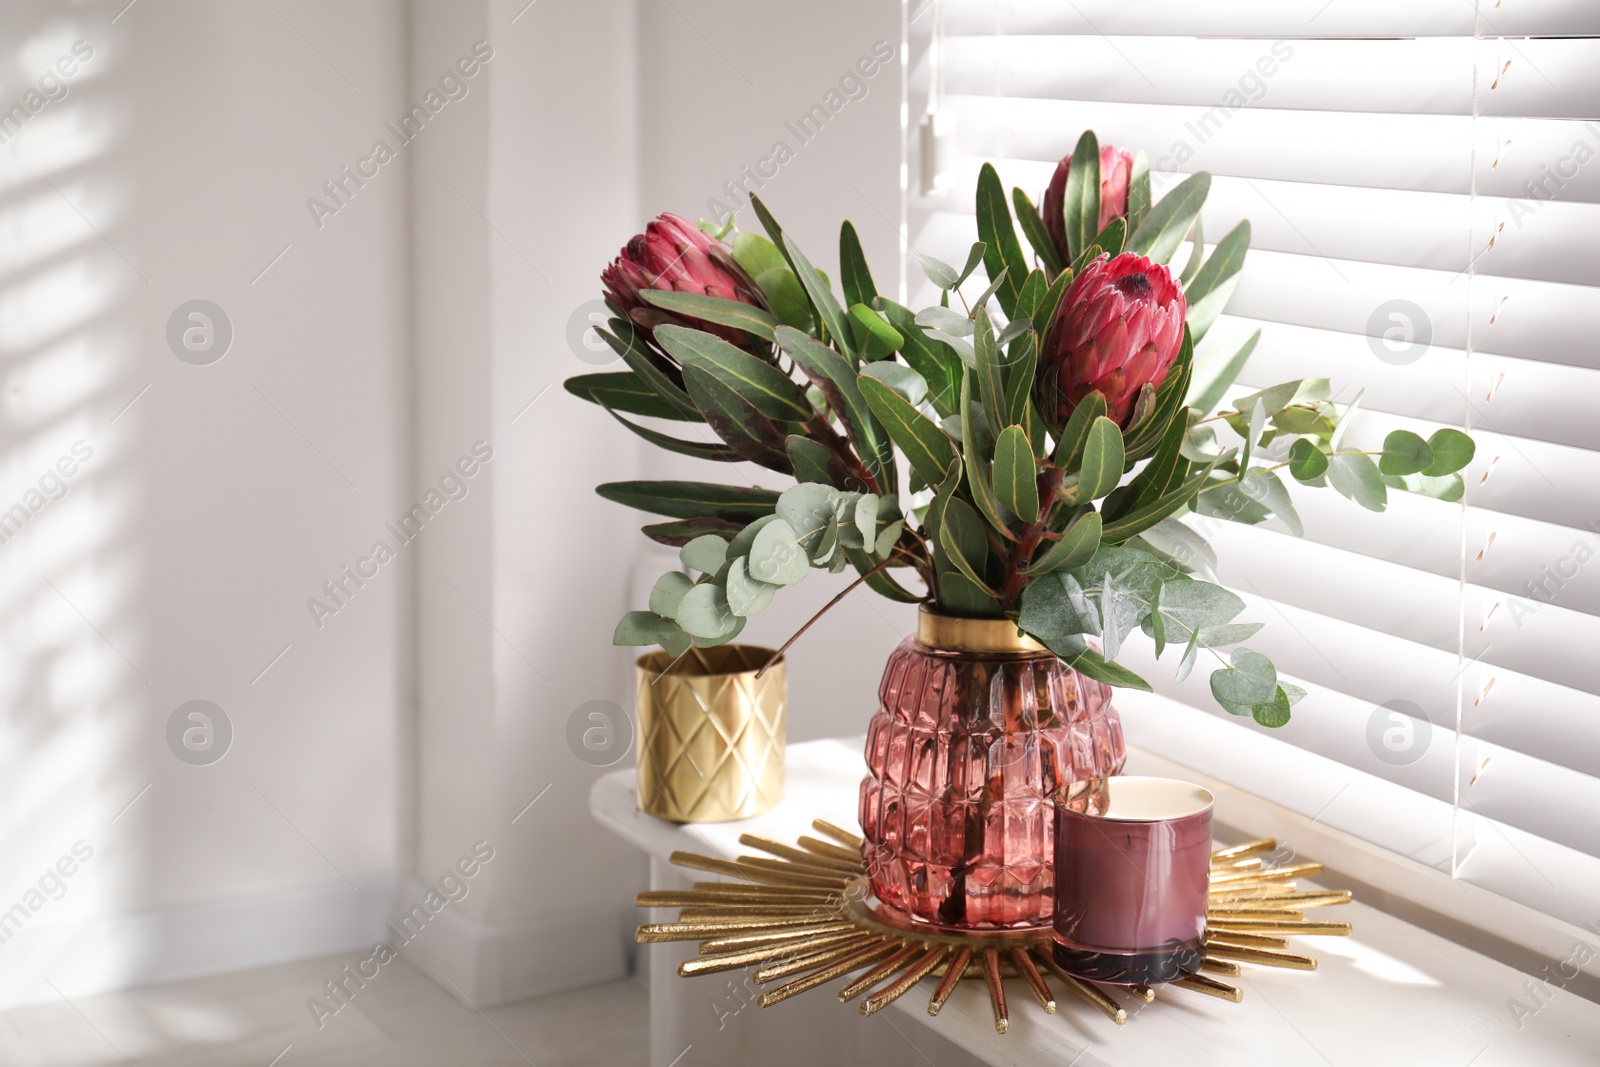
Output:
(711, 733)
(803, 917)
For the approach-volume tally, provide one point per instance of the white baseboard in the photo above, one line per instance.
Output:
(490, 964)
(189, 941)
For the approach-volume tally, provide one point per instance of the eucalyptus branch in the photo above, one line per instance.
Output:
(846, 591)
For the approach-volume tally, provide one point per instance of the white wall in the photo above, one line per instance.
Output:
(420, 318)
(179, 563)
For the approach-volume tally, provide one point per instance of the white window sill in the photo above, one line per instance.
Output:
(1393, 988)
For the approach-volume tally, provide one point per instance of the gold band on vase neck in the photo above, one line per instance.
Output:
(953, 633)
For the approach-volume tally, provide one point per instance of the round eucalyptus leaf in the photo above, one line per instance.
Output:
(776, 557)
(703, 612)
(1451, 449)
(668, 591)
(1307, 462)
(747, 595)
(1404, 453)
(705, 553)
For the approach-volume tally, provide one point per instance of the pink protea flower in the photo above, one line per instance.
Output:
(1116, 168)
(675, 254)
(1118, 327)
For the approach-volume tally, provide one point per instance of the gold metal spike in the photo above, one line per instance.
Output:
(822, 976)
(844, 837)
(1035, 981)
(1276, 874)
(800, 855)
(1210, 987)
(952, 975)
(1230, 914)
(1092, 993)
(1279, 926)
(1245, 850)
(1217, 937)
(1263, 956)
(755, 874)
(902, 985)
(1228, 967)
(805, 916)
(883, 970)
(997, 991)
(784, 966)
(795, 870)
(832, 851)
(776, 939)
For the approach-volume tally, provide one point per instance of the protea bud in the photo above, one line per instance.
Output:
(1116, 168)
(1119, 326)
(675, 254)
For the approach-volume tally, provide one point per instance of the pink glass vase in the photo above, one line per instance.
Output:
(977, 726)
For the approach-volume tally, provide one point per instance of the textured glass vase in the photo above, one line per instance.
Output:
(976, 728)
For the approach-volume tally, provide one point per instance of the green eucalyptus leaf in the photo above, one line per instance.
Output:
(1355, 476)
(943, 276)
(1251, 680)
(1262, 485)
(706, 554)
(911, 386)
(1307, 462)
(1404, 453)
(648, 628)
(776, 557)
(668, 591)
(746, 595)
(704, 613)
(1452, 450)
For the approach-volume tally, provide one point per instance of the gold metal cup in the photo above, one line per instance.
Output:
(711, 734)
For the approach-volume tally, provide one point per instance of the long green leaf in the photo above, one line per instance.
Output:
(1002, 250)
(1138, 191)
(1016, 475)
(760, 384)
(964, 543)
(1144, 516)
(1221, 369)
(748, 432)
(1069, 449)
(977, 469)
(822, 298)
(830, 373)
(1024, 359)
(626, 344)
(1167, 467)
(717, 453)
(1209, 291)
(1082, 204)
(678, 534)
(1033, 229)
(1052, 300)
(991, 372)
(926, 448)
(854, 275)
(1102, 461)
(1094, 665)
(1164, 228)
(757, 322)
(691, 500)
(626, 391)
(936, 361)
(1075, 548)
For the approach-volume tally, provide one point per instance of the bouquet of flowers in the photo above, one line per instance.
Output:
(1029, 452)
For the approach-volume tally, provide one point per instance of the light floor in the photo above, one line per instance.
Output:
(259, 1018)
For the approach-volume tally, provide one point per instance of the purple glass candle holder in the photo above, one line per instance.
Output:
(1132, 865)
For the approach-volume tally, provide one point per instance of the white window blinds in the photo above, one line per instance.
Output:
(1423, 182)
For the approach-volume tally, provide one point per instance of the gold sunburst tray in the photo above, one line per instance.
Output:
(804, 916)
